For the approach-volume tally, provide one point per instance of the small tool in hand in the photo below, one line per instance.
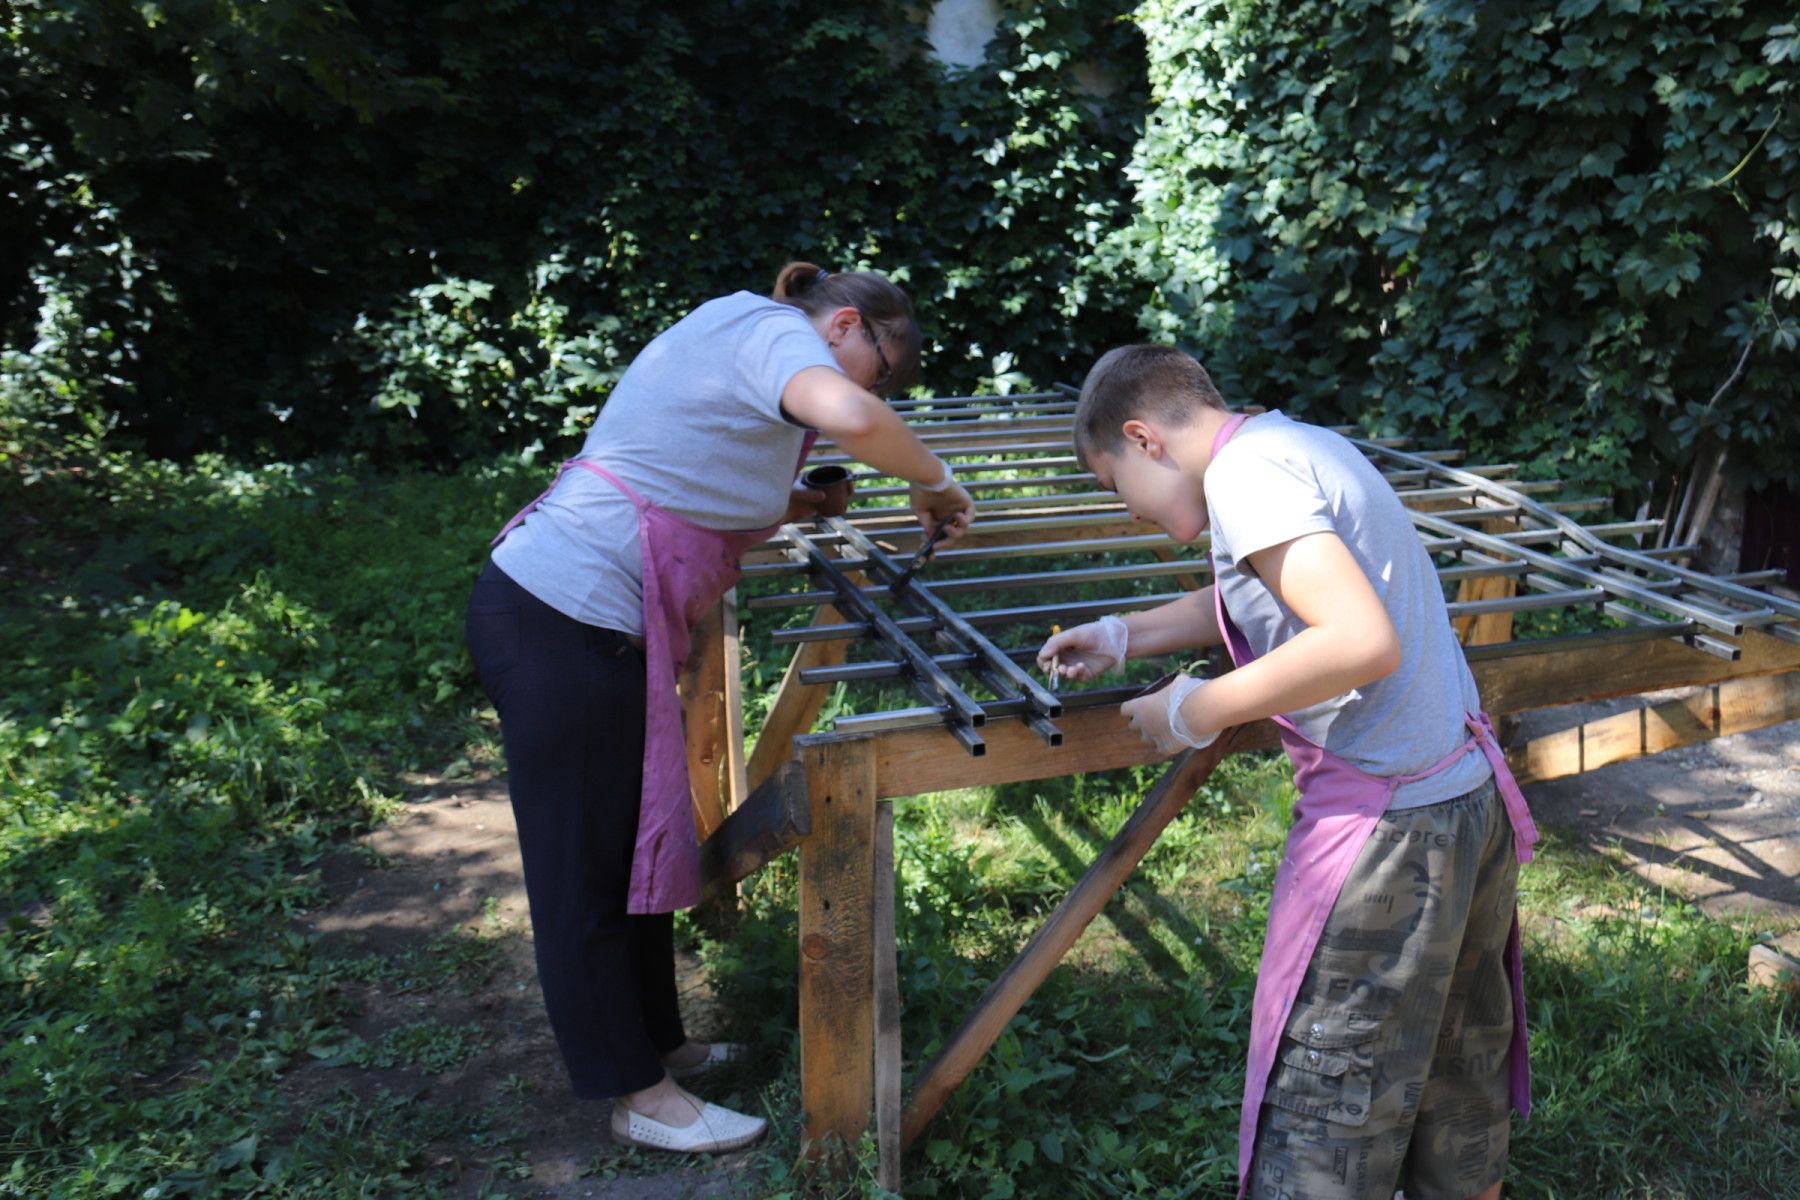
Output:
(1055, 671)
(918, 560)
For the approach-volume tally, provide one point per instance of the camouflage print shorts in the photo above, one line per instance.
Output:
(1394, 1067)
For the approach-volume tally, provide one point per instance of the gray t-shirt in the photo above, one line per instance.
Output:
(695, 427)
(1278, 479)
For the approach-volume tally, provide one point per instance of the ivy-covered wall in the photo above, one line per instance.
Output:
(432, 229)
(1563, 231)
(1566, 231)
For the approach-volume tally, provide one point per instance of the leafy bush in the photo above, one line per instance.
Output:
(1545, 231)
(443, 229)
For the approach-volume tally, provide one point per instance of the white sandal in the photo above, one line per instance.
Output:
(717, 1055)
(717, 1129)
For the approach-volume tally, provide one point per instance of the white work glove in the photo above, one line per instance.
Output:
(1086, 651)
(1157, 717)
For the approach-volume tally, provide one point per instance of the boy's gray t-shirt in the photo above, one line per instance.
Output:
(1278, 479)
(695, 427)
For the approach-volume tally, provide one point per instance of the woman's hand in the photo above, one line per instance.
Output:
(953, 506)
(803, 503)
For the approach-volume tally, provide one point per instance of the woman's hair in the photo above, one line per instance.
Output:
(1136, 382)
(813, 290)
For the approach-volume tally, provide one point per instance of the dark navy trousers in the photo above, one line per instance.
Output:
(571, 703)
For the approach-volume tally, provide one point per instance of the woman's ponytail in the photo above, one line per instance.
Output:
(814, 290)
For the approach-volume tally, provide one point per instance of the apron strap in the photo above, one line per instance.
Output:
(1525, 831)
(518, 518)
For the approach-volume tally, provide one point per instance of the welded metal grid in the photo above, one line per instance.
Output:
(1050, 547)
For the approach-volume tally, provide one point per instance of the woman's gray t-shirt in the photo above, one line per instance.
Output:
(694, 427)
(1279, 479)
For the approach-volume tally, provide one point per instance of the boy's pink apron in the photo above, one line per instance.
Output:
(1338, 809)
(686, 569)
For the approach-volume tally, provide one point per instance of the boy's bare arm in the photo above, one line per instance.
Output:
(1349, 640)
(1185, 624)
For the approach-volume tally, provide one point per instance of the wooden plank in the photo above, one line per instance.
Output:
(837, 951)
(887, 1007)
(1566, 676)
(1726, 708)
(915, 761)
(796, 704)
(1007, 994)
(703, 704)
(771, 820)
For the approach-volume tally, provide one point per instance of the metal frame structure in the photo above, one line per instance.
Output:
(1507, 546)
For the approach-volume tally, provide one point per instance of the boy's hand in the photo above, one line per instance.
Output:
(1157, 717)
(1086, 651)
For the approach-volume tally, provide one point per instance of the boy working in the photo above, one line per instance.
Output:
(1387, 1035)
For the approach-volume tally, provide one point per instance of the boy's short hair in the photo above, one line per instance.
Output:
(1134, 382)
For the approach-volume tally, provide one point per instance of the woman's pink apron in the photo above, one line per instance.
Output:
(1338, 809)
(686, 569)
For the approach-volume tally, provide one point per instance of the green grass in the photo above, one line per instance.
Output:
(217, 675)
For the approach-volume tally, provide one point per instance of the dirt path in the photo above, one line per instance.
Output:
(439, 885)
(1719, 822)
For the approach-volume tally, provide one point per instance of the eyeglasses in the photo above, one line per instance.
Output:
(887, 372)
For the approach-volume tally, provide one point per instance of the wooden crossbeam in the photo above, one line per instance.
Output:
(771, 820)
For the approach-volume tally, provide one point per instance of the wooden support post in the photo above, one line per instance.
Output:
(1487, 629)
(887, 1006)
(1007, 994)
(796, 704)
(736, 771)
(1736, 706)
(837, 945)
(703, 701)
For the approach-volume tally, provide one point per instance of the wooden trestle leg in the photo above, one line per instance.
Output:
(887, 1006)
(1007, 994)
(710, 717)
(837, 945)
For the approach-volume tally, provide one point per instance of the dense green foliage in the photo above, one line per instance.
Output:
(1550, 229)
(293, 226)
(1544, 233)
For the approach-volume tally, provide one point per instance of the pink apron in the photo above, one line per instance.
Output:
(1338, 809)
(686, 569)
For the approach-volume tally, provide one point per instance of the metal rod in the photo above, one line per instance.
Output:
(924, 673)
(1524, 602)
(915, 718)
(1625, 558)
(1042, 613)
(1130, 542)
(1499, 544)
(1040, 698)
(985, 583)
(950, 401)
(1002, 464)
